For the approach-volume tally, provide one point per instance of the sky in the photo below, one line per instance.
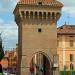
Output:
(9, 29)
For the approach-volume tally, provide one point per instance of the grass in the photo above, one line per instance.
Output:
(1, 74)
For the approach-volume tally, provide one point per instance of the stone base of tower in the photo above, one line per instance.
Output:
(25, 71)
(56, 72)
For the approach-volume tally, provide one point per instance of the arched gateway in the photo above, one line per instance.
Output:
(37, 32)
(40, 65)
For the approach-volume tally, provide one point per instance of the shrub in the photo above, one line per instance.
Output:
(67, 72)
(1, 74)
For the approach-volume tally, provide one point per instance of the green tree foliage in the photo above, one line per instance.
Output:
(1, 55)
(67, 72)
(1, 49)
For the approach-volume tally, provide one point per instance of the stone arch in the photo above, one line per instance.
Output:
(41, 63)
(40, 15)
(49, 15)
(36, 14)
(53, 15)
(43, 54)
(23, 14)
(44, 15)
(27, 14)
(31, 14)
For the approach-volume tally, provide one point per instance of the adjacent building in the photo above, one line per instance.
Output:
(9, 62)
(66, 47)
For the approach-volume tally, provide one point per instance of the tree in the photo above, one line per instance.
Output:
(1, 53)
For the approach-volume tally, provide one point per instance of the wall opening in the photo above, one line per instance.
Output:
(40, 65)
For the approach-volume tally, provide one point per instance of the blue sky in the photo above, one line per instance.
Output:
(9, 28)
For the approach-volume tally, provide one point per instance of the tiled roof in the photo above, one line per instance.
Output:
(44, 2)
(66, 29)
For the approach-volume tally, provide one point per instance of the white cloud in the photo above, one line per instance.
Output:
(9, 29)
(9, 34)
(69, 7)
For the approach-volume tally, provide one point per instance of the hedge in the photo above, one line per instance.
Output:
(1, 74)
(67, 72)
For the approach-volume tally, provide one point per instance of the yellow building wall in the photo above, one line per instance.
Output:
(67, 50)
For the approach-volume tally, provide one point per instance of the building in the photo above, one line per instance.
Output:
(37, 30)
(9, 62)
(12, 62)
(66, 47)
(4, 62)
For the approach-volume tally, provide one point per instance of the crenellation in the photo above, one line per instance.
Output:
(51, 17)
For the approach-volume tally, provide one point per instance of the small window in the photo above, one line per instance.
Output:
(71, 57)
(36, 15)
(71, 43)
(40, 15)
(70, 36)
(53, 15)
(23, 14)
(39, 30)
(27, 14)
(49, 15)
(31, 14)
(44, 15)
(71, 67)
(40, 3)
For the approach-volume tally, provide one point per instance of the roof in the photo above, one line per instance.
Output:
(66, 29)
(44, 2)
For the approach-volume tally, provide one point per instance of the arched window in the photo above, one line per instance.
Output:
(44, 15)
(71, 67)
(40, 15)
(27, 14)
(49, 15)
(31, 15)
(23, 14)
(36, 15)
(53, 15)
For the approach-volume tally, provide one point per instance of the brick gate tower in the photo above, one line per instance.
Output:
(37, 36)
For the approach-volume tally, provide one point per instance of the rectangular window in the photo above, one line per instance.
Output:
(71, 57)
(40, 3)
(71, 43)
(39, 30)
